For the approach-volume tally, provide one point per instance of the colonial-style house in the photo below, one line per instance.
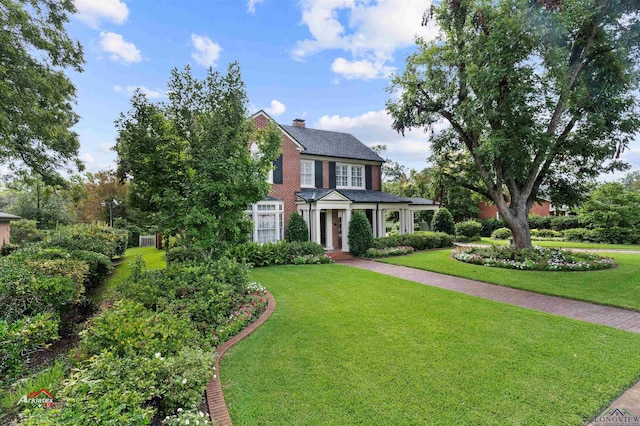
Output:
(325, 176)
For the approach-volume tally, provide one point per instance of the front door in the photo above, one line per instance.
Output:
(323, 229)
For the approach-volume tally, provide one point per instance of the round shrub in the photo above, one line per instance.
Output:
(501, 234)
(469, 229)
(546, 233)
(296, 229)
(360, 234)
(443, 222)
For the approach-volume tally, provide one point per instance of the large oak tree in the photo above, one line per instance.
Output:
(538, 96)
(36, 97)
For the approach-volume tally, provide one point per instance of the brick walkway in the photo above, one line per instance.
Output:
(584, 311)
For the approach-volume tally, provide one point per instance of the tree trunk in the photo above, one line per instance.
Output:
(516, 217)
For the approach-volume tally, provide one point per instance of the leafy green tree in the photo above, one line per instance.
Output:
(443, 222)
(296, 228)
(612, 205)
(189, 158)
(392, 171)
(36, 112)
(631, 181)
(360, 233)
(539, 97)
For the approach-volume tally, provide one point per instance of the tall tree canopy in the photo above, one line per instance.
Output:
(190, 161)
(36, 107)
(538, 94)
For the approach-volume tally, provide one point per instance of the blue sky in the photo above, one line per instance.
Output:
(327, 61)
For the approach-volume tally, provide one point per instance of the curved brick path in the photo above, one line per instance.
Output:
(215, 398)
(584, 311)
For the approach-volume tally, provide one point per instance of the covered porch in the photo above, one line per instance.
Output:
(328, 212)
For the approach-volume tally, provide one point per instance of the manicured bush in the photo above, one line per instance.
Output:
(360, 234)
(419, 241)
(613, 235)
(576, 234)
(390, 251)
(21, 338)
(296, 228)
(280, 253)
(468, 231)
(501, 234)
(536, 258)
(545, 233)
(101, 239)
(443, 222)
(490, 225)
(25, 231)
(539, 222)
(183, 254)
(560, 223)
(312, 259)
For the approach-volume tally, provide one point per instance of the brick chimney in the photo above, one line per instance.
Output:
(298, 122)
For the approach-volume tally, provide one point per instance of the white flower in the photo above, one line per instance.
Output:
(184, 381)
(186, 422)
(201, 414)
(214, 376)
(158, 355)
(179, 410)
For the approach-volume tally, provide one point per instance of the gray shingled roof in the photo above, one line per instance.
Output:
(355, 195)
(420, 201)
(6, 216)
(270, 198)
(331, 144)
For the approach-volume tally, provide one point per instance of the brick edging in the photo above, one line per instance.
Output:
(215, 398)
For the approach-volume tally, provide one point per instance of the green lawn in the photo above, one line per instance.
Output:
(153, 257)
(565, 244)
(347, 346)
(614, 287)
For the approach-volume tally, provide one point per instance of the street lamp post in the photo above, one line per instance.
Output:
(111, 203)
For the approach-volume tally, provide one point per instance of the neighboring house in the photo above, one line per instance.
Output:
(488, 211)
(5, 227)
(325, 176)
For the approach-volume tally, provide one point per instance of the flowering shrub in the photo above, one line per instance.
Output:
(187, 417)
(311, 259)
(389, 251)
(255, 304)
(536, 258)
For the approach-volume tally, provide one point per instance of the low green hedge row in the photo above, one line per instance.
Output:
(100, 239)
(419, 241)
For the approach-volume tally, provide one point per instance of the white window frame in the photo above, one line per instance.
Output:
(255, 154)
(351, 177)
(312, 175)
(258, 213)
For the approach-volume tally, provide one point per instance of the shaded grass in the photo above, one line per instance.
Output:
(565, 244)
(153, 257)
(347, 346)
(615, 287)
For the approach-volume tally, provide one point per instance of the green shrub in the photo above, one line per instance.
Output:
(133, 231)
(25, 231)
(360, 234)
(129, 329)
(21, 338)
(545, 233)
(468, 229)
(612, 235)
(501, 234)
(183, 254)
(7, 249)
(443, 222)
(560, 223)
(296, 228)
(390, 251)
(490, 225)
(27, 292)
(101, 239)
(312, 259)
(279, 253)
(575, 234)
(419, 241)
(540, 222)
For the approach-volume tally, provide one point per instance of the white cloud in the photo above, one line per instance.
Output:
(251, 5)
(365, 70)
(117, 88)
(91, 12)
(369, 31)
(374, 127)
(87, 158)
(276, 108)
(105, 147)
(206, 51)
(120, 49)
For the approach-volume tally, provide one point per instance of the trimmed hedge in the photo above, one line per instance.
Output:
(501, 234)
(613, 235)
(280, 253)
(443, 222)
(468, 231)
(391, 251)
(360, 234)
(419, 241)
(296, 229)
(101, 239)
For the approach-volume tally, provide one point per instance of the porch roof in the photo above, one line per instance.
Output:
(5, 217)
(361, 196)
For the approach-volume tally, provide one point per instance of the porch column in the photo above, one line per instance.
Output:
(328, 229)
(412, 221)
(374, 225)
(346, 218)
(383, 223)
(403, 221)
(315, 223)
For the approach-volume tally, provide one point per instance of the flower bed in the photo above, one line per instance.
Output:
(536, 258)
(250, 311)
